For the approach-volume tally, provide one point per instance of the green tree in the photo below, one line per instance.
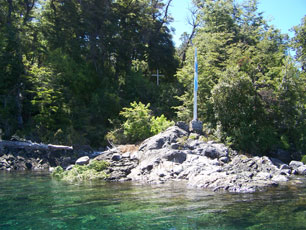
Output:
(299, 43)
(17, 39)
(138, 124)
(68, 67)
(249, 91)
(92, 47)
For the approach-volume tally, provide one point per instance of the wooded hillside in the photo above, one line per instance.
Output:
(67, 69)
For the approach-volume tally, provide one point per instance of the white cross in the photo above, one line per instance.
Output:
(157, 75)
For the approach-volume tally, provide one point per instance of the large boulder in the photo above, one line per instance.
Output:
(167, 137)
(295, 164)
(212, 150)
(176, 156)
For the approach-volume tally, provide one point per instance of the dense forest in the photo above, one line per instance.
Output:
(67, 69)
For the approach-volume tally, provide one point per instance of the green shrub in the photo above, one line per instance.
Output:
(304, 159)
(98, 165)
(93, 171)
(139, 124)
(159, 124)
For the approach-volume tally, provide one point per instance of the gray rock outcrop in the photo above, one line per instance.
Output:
(171, 155)
(121, 164)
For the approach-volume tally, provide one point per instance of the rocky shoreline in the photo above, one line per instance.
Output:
(178, 155)
(27, 155)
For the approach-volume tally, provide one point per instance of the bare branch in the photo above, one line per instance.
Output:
(166, 11)
(192, 20)
(165, 17)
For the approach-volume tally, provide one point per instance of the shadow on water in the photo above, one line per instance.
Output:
(36, 201)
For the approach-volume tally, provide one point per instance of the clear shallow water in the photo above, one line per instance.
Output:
(35, 201)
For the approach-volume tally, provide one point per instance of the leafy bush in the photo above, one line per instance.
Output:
(93, 171)
(159, 124)
(304, 159)
(139, 124)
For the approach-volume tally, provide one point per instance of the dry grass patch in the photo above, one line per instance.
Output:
(128, 148)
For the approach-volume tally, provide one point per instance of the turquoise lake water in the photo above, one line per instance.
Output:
(36, 201)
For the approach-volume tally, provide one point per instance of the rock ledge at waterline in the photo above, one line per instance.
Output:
(172, 156)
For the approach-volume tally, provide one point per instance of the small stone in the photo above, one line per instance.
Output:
(215, 162)
(302, 170)
(116, 157)
(174, 146)
(149, 167)
(264, 175)
(82, 160)
(126, 155)
(196, 126)
(280, 178)
(224, 159)
(69, 167)
(285, 172)
(162, 174)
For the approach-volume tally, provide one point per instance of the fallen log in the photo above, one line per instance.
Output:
(32, 145)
